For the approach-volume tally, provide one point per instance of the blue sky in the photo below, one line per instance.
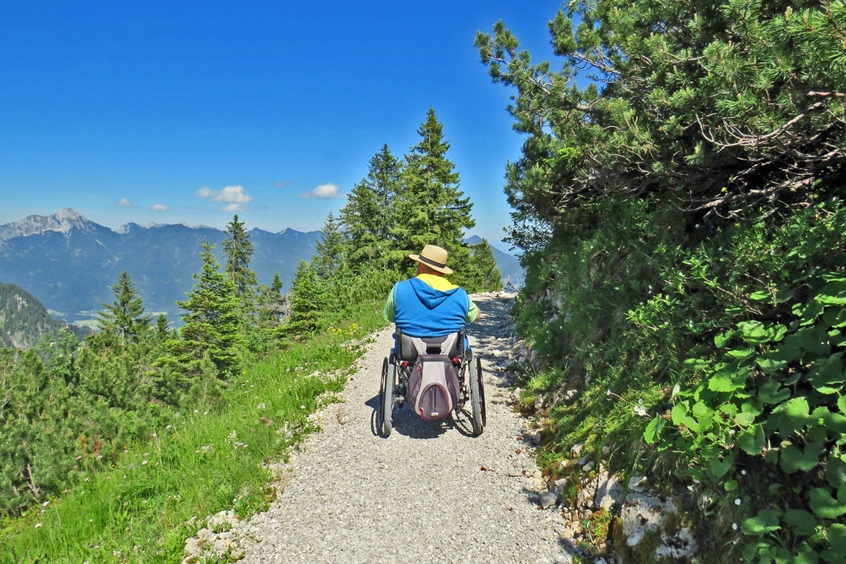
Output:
(190, 112)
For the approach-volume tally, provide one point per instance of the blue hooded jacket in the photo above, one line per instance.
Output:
(423, 311)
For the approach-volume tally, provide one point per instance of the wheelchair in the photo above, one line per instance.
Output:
(435, 376)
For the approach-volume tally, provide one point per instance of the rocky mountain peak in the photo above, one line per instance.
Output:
(63, 222)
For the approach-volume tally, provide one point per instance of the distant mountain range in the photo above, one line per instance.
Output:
(70, 263)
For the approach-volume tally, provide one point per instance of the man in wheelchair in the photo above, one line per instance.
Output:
(430, 314)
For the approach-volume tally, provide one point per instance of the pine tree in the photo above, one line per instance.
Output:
(329, 252)
(485, 275)
(368, 217)
(162, 330)
(239, 251)
(212, 320)
(125, 317)
(430, 208)
(307, 300)
(272, 305)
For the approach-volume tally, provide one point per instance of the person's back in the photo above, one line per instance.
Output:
(429, 305)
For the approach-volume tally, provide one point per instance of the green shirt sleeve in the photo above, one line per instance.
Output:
(472, 311)
(388, 310)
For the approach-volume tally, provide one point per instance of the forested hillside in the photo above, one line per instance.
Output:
(109, 445)
(683, 231)
(24, 320)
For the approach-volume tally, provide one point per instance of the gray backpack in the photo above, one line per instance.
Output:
(433, 388)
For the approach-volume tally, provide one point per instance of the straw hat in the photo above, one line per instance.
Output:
(434, 257)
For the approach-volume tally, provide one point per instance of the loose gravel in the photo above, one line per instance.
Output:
(430, 492)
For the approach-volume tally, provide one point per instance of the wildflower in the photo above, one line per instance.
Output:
(737, 501)
(45, 504)
(734, 526)
(38, 525)
(143, 462)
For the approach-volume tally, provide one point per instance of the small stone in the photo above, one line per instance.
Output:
(548, 499)
(588, 466)
(576, 449)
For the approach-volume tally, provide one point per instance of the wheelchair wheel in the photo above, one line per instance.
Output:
(477, 399)
(386, 399)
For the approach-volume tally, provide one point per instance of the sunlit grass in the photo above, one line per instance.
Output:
(160, 491)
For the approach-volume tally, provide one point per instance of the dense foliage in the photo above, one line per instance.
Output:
(682, 223)
(398, 208)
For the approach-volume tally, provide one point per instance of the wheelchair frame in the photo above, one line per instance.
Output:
(394, 382)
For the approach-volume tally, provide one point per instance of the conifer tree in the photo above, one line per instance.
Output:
(125, 317)
(272, 305)
(212, 320)
(239, 251)
(484, 273)
(368, 217)
(329, 252)
(430, 207)
(307, 300)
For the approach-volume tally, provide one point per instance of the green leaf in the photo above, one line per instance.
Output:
(794, 460)
(835, 318)
(744, 418)
(802, 522)
(824, 505)
(653, 430)
(760, 296)
(833, 293)
(825, 373)
(769, 365)
(835, 471)
(731, 485)
(727, 381)
(791, 416)
(679, 413)
(765, 522)
(740, 353)
(722, 338)
(772, 392)
(808, 312)
(836, 536)
(841, 404)
(719, 468)
(752, 440)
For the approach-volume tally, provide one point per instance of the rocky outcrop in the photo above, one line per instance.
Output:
(62, 222)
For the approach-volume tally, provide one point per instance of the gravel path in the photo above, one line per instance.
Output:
(430, 492)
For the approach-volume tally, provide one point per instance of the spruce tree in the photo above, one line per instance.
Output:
(272, 305)
(125, 317)
(484, 273)
(212, 320)
(239, 251)
(430, 208)
(307, 300)
(368, 218)
(329, 251)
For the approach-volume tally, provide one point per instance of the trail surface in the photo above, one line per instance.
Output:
(431, 492)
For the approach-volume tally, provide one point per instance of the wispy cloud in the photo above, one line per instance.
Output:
(233, 196)
(324, 191)
(285, 184)
(124, 203)
(159, 207)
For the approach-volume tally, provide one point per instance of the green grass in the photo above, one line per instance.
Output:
(210, 460)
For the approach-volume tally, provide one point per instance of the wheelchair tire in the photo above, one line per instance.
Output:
(477, 399)
(386, 399)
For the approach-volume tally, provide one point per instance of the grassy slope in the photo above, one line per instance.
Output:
(212, 460)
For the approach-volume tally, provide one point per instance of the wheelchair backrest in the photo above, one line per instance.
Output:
(409, 348)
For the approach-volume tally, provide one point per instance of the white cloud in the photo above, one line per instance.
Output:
(323, 191)
(159, 207)
(124, 203)
(233, 196)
